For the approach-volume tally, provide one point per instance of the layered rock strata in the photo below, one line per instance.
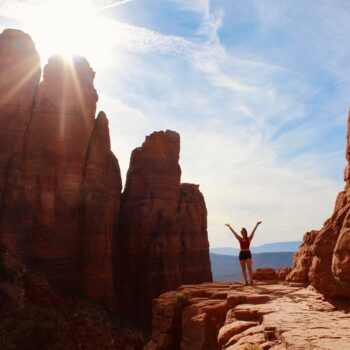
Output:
(229, 316)
(163, 239)
(324, 257)
(61, 182)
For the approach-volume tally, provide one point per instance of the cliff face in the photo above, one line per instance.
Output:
(99, 213)
(20, 73)
(61, 191)
(324, 257)
(162, 239)
(192, 217)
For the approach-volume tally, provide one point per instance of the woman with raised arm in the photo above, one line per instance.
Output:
(245, 257)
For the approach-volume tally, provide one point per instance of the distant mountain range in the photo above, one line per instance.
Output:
(228, 268)
(265, 248)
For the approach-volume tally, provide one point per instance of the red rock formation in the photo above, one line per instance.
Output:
(265, 274)
(218, 316)
(34, 316)
(162, 240)
(302, 259)
(283, 273)
(324, 257)
(60, 190)
(62, 184)
(100, 208)
(192, 217)
(20, 73)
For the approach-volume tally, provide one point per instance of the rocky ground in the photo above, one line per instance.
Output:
(269, 315)
(34, 317)
(209, 316)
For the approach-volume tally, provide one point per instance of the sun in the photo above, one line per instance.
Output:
(69, 27)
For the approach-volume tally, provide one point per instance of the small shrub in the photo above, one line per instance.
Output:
(182, 297)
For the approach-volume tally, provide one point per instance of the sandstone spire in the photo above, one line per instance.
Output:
(162, 240)
(19, 76)
(62, 187)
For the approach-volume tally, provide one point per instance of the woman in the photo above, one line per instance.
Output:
(245, 257)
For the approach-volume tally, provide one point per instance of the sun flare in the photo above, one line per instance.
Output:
(69, 28)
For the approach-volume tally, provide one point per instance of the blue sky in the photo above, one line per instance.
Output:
(258, 90)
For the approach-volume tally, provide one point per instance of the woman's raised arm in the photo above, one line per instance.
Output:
(234, 232)
(254, 229)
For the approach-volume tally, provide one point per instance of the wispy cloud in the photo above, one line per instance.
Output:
(248, 131)
(112, 4)
(140, 40)
(258, 91)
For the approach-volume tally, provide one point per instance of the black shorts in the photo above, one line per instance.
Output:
(245, 254)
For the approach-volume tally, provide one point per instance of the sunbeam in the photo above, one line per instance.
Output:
(6, 98)
(69, 28)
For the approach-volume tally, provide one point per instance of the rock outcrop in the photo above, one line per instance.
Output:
(60, 191)
(218, 316)
(324, 257)
(162, 241)
(283, 272)
(61, 183)
(265, 274)
(20, 73)
(34, 316)
(99, 213)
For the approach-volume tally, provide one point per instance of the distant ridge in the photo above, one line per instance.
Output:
(276, 247)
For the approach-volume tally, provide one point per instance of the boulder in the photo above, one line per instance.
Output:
(283, 272)
(228, 331)
(265, 274)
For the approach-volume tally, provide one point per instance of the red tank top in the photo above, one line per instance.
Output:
(244, 243)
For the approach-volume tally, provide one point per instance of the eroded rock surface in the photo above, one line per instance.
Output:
(20, 73)
(265, 274)
(162, 241)
(61, 183)
(60, 191)
(99, 214)
(324, 257)
(231, 316)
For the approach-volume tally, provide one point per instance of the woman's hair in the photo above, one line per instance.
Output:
(244, 231)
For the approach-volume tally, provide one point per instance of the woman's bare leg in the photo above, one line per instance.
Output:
(250, 269)
(244, 272)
